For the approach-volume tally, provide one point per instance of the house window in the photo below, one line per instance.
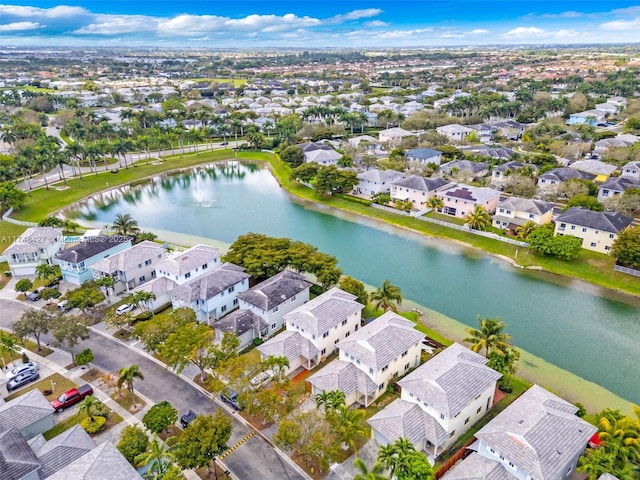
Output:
(347, 334)
(442, 416)
(452, 434)
(231, 288)
(273, 326)
(584, 230)
(573, 227)
(235, 301)
(344, 322)
(466, 420)
(293, 298)
(479, 410)
(323, 351)
(356, 329)
(224, 308)
(514, 467)
(492, 451)
(139, 265)
(611, 235)
(607, 247)
(204, 266)
(593, 244)
(531, 215)
(142, 279)
(563, 225)
(313, 337)
(501, 457)
(325, 334)
(385, 368)
(275, 310)
(381, 386)
(405, 353)
(336, 341)
(411, 394)
(147, 262)
(406, 367)
(187, 275)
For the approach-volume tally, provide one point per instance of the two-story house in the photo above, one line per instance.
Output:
(75, 260)
(423, 156)
(597, 230)
(320, 153)
(513, 212)
(131, 267)
(393, 136)
(273, 298)
(376, 181)
(439, 401)
(465, 168)
(314, 329)
(459, 200)
(418, 190)
(36, 245)
(455, 132)
(537, 437)
(550, 182)
(501, 173)
(212, 294)
(631, 169)
(615, 186)
(384, 349)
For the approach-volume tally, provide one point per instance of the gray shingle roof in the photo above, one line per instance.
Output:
(343, 376)
(90, 247)
(129, 258)
(188, 260)
(402, 419)
(104, 462)
(422, 153)
(63, 449)
(619, 184)
(211, 284)
(240, 321)
(275, 290)
(24, 410)
(563, 174)
(477, 467)
(422, 184)
(509, 166)
(32, 239)
(381, 341)
(539, 433)
(528, 205)
(289, 344)
(16, 457)
(325, 311)
(464, 165)
(611, 222)
(451, 380)
(376, 175)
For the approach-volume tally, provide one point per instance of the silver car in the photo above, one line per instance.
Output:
(20, 369)
(22, 379)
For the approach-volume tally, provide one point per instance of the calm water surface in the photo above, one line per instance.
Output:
(567, 323)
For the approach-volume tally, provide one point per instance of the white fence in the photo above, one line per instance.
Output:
(6, 217)
(627, 270)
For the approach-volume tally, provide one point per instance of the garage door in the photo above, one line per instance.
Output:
(22, 271)
(381, 439)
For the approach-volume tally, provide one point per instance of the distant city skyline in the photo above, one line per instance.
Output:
(312, 24)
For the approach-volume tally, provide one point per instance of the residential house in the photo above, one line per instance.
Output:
(551, 181)
(601, 170)
(500, 173)
(497, 153)
(615, 186)
(384, 349)
(509, 129)
(423, 156)
(31, 414)
(104, 462)
(439, 401)
(75, 260)
(377, 181)
(631, 169)
(459, 200)
(597, 230)
(244, 324)
(513, 212)
(273, 298)
(131, 267)
(485, 131)
(418, 190)
(36, 245)
(314, 329)
(320, 153)
(588, 117)
(212, 294)
(464, 168)
(455, 132)
(537, 437)
(621, 140)
(393, 136)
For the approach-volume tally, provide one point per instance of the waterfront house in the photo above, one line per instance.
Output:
(459, 200)
(320, 153)
(273, 298)
(377, 181)
(417, 190)
(131, 267)
(439, 401)
(370, 358)
(76, 260)
(314, 329)
(35, 246)
(513, 212)
(537, 436)
(597, 230)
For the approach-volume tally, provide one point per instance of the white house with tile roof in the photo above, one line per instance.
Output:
(537, 437)
(30, 413)
(384, 349)
(597, 230)
(417, 189)
(513, 212)
(36, 245)
(439, 401)
(461, 199)
(314, 329)
(377, 181)
(185, 266)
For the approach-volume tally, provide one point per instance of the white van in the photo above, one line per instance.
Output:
(63, 306)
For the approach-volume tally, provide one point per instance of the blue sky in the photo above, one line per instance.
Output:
(317, 24)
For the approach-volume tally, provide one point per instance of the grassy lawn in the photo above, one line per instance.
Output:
(61, 385)
(8, 233)
(123, 399)
(112, 419)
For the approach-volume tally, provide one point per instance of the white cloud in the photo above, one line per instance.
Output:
(61, 11)
(355, 15)
(479, 31)
(403, 33)
(567, 14)
(622, 25)
(376, 23)
(118, 25)
(525, 33)
(19, 26)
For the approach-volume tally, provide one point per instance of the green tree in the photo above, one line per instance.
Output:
(566, 247)
(381, 198)
(68, 331)
(133, 442)
(387, 297)
(159, 417)
(330, 179)
(292, 155)
(331, 400)
(305, 172)
(11, 196)
(506, 364)
(142, 299)
(153, 333)
(435, 204)
(348, 425)
(158, 459)
(277, 364)
(127, 377)
(523, 231)
(85, 297)
(7, 344)
(376, 472)
(479, 219)
(124, 224)
(489, 337)
(626, 248)
(206, 437)
(47, 272)
(84, 357)
(23, 285)
(50, 293)
(585, 201)
(32, 323)
(404, 462)
(354, 287)
(92, 407)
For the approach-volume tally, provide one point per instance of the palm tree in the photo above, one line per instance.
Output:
(365, 474)
(277, 364)
(159, 459)
(91, 405)
(142, 297)
(125, 225)
(348, 426)
(435, 203)
(127, 377)
(479, 219)
(388, 297)
(523, 231)
(489, 337)
(331, 400)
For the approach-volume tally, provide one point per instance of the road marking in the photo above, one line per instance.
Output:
(222, 457)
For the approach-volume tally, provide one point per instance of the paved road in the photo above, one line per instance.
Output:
(254, 459)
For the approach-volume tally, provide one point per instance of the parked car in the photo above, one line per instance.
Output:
(71, 397)
(53, 283)
(20, 369)
(127, 307)
(261, 378)
(231, 397)
(35, 295)
(187, 418)
(224, 143)
(22, 379)
(64, 306)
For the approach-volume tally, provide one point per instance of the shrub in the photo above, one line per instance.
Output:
(84, 357)
(160, 416)
(133, 442)
(316, 289)
(257, 341)
(93, 424)
(143, 316)
(23, 285)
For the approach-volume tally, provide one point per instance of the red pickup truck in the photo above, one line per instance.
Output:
(71, 397)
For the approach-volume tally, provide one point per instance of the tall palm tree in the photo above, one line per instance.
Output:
(91, 405)
(479, 219)
(388, 297)
(435, 203)
(159, 459)
(348, 426)
(489, 337)
(123, 224)
(331, 400)
(127, 377)
(277, 364)
(523, 231)
(365, 474)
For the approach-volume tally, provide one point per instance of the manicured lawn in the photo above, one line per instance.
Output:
(61, 385)
(112, 419)
(123, 398)
(8, 233)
